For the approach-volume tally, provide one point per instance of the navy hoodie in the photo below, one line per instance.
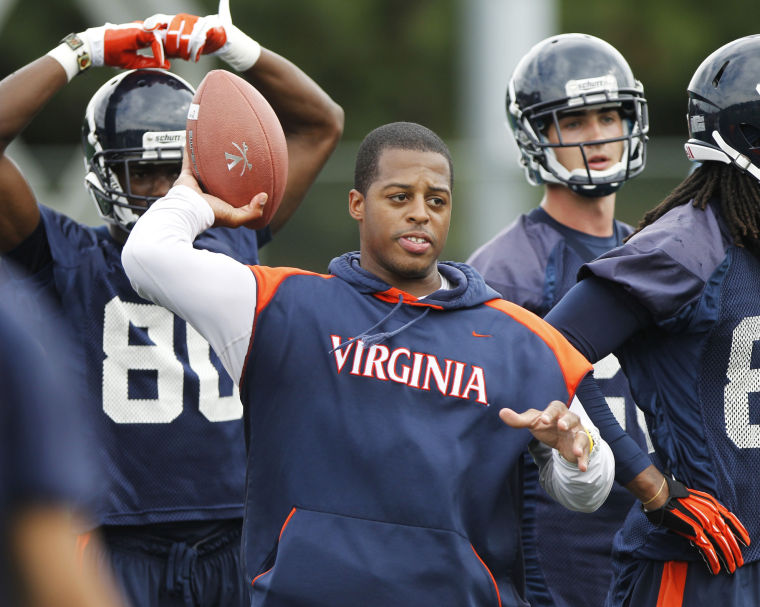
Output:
(379, 472)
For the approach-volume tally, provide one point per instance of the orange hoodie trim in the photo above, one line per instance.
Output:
(268, 280)
(488, 571)
(285, 524)
(392, 295)
(573, 364)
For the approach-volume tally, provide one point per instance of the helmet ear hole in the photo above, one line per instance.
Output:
(751, 134)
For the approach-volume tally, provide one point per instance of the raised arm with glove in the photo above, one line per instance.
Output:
(188, 37)
(109, 44)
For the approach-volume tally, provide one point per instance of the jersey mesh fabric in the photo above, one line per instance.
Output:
(729, 386)
(699, 290)
(167, 419)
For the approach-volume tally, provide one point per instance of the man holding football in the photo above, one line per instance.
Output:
(168, 415)
(379, 397)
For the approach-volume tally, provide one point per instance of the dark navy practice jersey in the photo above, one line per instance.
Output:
(170, 417)
(696, 371)
(533, 263)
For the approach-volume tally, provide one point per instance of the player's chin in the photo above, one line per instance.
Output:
(414, 269)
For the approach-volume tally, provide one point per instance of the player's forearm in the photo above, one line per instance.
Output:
(634, 468)
(583, 491)
(649, 487)
(311, 120)
(630, 459)
(24, 93)
(302, 106)
(213, 292)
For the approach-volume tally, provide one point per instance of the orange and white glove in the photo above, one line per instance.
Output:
(188, 37)
(109, 44)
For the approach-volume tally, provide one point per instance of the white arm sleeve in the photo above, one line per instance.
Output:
(564, 482)
(211, 291)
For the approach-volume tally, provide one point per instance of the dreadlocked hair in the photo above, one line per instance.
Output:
(737, 191)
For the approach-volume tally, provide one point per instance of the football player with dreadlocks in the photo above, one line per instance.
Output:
(170, 419)
(678, 305)
(580, 121)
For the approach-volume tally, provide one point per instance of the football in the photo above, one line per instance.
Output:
(236, 143)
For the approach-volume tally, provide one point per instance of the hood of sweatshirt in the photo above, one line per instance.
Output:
(468, 288)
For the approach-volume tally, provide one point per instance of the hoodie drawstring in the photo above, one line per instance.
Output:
(371, 340)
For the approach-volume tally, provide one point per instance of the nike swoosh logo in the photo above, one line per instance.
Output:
(474, 334)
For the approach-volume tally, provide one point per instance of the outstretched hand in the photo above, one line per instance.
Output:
(557, 427)
(224, 213)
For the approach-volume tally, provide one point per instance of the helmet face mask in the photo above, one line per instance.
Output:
(134, 124)
(112, 190)
(575, 73)
(724, 107)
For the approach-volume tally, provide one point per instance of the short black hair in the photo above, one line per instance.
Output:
(400, 136)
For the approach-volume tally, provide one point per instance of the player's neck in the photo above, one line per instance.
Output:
(119, 235)
(593, 216)
(420, 288)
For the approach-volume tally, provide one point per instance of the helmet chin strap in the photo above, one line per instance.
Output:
(127, 217)
(565, 177)
(739, 159)
(596, 191)
(699, 151)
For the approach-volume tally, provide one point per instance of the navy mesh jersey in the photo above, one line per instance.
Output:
(696, 373)
(169, 416)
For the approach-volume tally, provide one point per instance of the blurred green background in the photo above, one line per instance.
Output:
(387, 60)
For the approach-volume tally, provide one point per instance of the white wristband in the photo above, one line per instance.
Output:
(241, 52)
(73, 53)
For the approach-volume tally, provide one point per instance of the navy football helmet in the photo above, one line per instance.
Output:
(570, 72)
(724, 107)
(138, 116)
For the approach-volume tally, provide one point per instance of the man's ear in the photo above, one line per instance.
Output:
(356, 204)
